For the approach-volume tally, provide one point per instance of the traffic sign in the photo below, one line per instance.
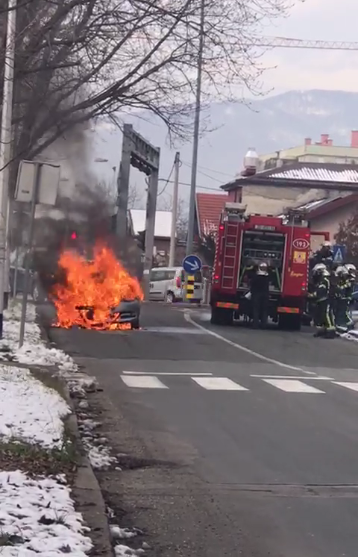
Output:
(339, 253)
(192, 263)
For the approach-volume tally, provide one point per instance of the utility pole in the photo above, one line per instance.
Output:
(174, 209)
(194, 163)
(149, 228)
(5, 143)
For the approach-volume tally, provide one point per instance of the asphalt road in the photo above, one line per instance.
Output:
(258, 430)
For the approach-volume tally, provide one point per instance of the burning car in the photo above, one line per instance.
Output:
(97, 294)
(128, 311)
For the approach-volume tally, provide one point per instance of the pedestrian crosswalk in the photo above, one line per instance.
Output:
(305, 385)
(218, 384)
(292, 386)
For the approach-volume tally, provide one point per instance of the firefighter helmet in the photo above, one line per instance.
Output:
(262, 270)
(352, 270)
(319, 269)
(341, 271)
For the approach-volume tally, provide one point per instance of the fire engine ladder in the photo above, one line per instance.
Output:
(230, 257)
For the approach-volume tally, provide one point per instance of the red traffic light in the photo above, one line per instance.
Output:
(73, 236)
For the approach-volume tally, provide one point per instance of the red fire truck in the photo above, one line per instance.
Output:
(246, 240)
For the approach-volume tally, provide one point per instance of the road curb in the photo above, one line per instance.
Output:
(87, 492)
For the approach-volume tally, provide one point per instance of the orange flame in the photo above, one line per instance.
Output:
(93, 288)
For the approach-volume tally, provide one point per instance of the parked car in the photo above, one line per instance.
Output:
(167, 284)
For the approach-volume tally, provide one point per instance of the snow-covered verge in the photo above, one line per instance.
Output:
(30, 411)
(96, 445)
(37, 514)
(38, 420)
(34, 351)
(38, 518)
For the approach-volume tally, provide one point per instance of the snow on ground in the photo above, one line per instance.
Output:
(38, 518)
(29, 410)
(34, 350)
(125, 551)
(96, 447)
(37, 515)
(351, 335)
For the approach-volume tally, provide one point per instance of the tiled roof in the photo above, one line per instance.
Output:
(209, 207)
(319, 174)
(163, 222)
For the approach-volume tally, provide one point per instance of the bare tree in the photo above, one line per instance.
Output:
(347, 235)
(165, 204)
(78, 59)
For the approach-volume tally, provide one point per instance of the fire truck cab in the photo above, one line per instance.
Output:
(243, 241)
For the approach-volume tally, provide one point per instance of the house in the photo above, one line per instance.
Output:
(292, 185)
(320, 152)
(327, 192)
(162, 232)
(208, 210)
(326, 215)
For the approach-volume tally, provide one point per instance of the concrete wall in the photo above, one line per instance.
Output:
(330, 221)
(273, 200)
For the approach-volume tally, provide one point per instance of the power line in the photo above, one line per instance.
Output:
(166, 181)
(204, 174)
(187, 184)
(211, 170)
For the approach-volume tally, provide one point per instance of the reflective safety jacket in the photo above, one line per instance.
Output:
(322, 290)
(344, 290)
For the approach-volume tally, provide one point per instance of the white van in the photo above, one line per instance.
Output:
(166, 284)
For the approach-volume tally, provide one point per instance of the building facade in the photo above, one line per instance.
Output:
(321, 152)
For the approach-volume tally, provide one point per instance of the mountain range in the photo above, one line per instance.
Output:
(267, 124)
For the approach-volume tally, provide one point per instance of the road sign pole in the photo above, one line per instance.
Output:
(191, 265)
(28, 252)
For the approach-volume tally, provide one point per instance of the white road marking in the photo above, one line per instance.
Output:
(218, 384)
(318, 378)
(184, 373)
(244, 349)
(347, 384)
(143, 382)
(292, 386)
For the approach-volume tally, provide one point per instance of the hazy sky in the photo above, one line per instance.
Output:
(332, 20)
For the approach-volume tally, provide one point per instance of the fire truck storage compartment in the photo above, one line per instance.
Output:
(262, 246)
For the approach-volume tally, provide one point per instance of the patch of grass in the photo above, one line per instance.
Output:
(49, 380)
(36, 460)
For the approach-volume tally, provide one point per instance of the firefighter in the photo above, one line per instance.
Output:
(259, 289)
(342, 288)
(351, 280)
(323, 255)
(322, 311)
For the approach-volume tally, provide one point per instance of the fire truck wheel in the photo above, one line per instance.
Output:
(220, 316)
(289, 322)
